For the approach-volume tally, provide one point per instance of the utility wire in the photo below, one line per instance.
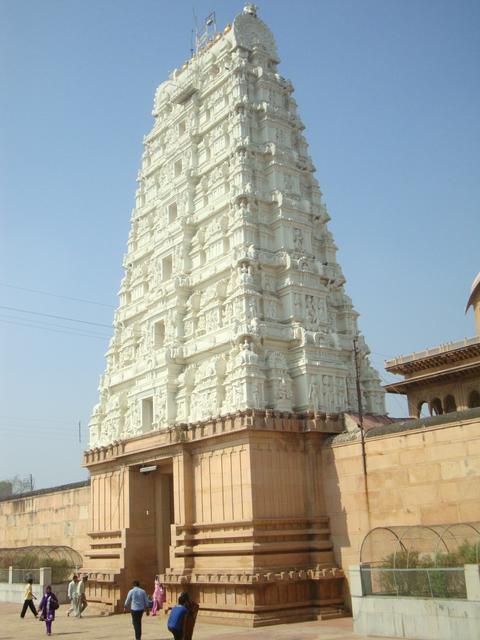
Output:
(47, 323)
(26, 434)
(51, 315)
(384, 355)
(4, 417)
(68, 434)
(67, 430)
(70, 333)
(44, 427)
(56, 295)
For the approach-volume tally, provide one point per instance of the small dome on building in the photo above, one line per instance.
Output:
(474, 292)
(474, 302)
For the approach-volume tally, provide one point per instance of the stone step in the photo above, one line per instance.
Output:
(331, 613)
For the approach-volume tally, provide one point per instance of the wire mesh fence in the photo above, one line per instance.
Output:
(22, 575)
(432, 582)
(421, 546)
(62, 560)
(4, 575)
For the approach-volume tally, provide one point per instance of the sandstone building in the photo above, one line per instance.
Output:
(444, 379)
(232, 356)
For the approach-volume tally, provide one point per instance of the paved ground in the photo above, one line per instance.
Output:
(94, 627)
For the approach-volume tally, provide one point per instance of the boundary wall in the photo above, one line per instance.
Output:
(421, 472)
(54, 516)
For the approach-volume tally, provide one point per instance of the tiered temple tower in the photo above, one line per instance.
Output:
(232, 296)
(233, 319)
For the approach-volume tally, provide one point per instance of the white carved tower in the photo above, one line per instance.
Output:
(232, 297)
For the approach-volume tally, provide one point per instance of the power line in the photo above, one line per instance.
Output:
(45, 328)
(69, 429)
(384, 355)
(9, 431)
(47, 323)
(32, 427)
(57, 295)
(25, 419)
(51, 315)
(26, 434)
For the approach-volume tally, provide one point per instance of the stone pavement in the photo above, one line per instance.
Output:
(95, 627)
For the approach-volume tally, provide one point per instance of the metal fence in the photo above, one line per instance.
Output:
(420, 583)
(22, 575)
(4, 575)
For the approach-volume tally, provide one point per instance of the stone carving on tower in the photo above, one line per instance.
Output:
(232, 297)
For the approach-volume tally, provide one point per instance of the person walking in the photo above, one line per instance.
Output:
(48, 606)
(28, 599)
(73, 594)
(138, 602)
(158, 596)
(82, 603)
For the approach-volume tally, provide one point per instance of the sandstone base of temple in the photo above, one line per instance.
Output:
(230, 510)
(270, 600)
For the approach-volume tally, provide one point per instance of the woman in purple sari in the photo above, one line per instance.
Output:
(48, 606)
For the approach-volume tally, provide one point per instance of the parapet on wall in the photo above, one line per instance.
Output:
(54, 516)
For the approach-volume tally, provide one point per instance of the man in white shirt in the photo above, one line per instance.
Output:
(73, 595)
(82, 600)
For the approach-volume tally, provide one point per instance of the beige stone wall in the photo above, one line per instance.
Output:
(222, 484)
(59, 517)
(109, 504)
(425, 476)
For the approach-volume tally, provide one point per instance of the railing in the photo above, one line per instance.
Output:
(419, 583)
(434, 351)
(4, 573)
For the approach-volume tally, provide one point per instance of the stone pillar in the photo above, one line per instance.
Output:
(472, 581)
(183, 511)
(355, 581)
(45, 577)
(10, 575)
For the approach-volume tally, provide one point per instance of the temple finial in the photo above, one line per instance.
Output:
(250, 9)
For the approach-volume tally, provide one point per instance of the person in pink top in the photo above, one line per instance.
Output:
(158, 596)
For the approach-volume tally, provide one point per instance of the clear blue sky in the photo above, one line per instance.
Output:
(389, 91)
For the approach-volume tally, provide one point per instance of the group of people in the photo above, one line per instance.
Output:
(49, 602)
(76, 595)
(46, 609)
(181, 620)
